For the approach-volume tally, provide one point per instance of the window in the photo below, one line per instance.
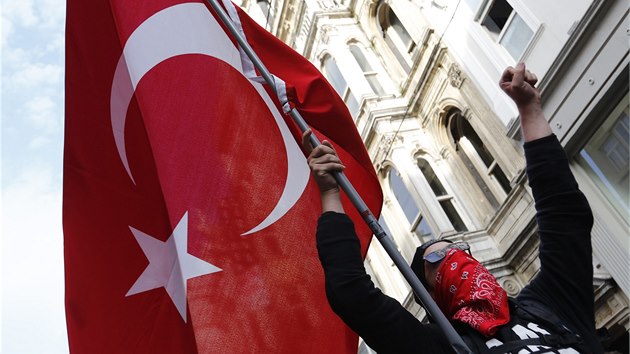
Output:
(402, 33)
(478, 159)
(606, 157)
(336, 79)
(419, 224)
(507, 27)
(396, 36)
(445, 200)
(368, 72)
(497, 16)
(516, 37)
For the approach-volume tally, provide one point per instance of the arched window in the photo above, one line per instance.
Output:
(445, 200)
(478, 158)
(419, 224)
(339, 83)
(396, 36)
(366, 68)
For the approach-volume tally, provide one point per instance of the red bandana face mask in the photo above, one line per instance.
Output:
(467, 292)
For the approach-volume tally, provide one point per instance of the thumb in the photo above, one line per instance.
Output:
(519, 75)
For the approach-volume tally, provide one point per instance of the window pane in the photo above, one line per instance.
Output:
(368, 72)
(402, 58)
(606, 157)
(400, 30)
(497, 16)
(360, 58)
(423, 230)
(375, 84)
(453, 215)
(497, 172)
(469, 133)
(352, 103)
(403, 196)
(438, 190)
(334, 76)
(516, 37)
(432, 179)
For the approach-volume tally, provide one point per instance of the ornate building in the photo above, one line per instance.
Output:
(420, 79)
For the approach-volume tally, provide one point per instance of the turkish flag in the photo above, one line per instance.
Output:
(188, 209)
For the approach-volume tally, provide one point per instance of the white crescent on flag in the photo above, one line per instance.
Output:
(189, 28)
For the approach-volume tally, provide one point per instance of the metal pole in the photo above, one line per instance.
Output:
(427, 302)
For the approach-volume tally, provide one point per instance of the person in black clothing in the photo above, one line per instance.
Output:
(554, 313)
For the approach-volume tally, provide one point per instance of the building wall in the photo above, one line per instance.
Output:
(436, 64)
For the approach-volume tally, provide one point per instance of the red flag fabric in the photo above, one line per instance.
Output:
(189, 215)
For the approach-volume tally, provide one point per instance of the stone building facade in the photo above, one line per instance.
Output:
(420, 79)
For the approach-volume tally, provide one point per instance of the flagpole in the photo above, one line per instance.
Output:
(427, 302)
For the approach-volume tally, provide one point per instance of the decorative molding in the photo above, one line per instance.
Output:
(326, 31)
(328, 4)
(384, 145)
(467, 113)
(510, 285)
(445, 152)
(455, 76)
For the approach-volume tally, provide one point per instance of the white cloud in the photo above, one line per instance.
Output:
(39, 142)
(15, 57)
(57, 44)
(41, 112)
(44, 14)
(20, 11)
(7, 30)
(33, 285)
(36, 75)
(33, 318)
(52, 12)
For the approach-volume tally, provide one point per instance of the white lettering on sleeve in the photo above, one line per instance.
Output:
(493, 343)
(524, 333)
(535, 327)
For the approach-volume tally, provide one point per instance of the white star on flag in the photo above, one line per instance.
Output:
(170, 265)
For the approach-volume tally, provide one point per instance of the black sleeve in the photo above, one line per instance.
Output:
(380, 320)
(565, 280)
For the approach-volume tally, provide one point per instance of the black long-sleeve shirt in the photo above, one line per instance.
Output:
(563, 284)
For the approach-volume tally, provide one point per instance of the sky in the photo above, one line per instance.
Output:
(31, 137)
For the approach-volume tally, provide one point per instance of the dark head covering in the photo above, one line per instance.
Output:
(417, 264)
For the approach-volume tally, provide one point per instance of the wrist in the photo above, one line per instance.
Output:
(330, 192)
(530, 110)
(534, 125)
(331, 200)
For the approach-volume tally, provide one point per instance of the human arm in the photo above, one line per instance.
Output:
(381, 321)
(384, 324)
(563, 216)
